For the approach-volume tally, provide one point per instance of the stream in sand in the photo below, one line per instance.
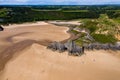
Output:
(24, 56)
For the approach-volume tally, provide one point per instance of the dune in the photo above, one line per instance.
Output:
(118, 37)
(25, 57)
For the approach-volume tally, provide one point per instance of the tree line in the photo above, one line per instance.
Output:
(20, 14)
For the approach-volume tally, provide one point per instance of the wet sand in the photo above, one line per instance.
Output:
(24, 56)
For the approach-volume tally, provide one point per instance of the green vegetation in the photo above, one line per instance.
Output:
(90, 25)
(102, 38)
(75, 11)
(103, 29)
(74, 32)
(113, 13)
(80, 41)
(3, 12)
(117, 20)
(29, 14)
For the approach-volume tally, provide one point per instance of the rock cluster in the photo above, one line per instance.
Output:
(99, 46)
(70, 46)
(1, 28)
(76, 50)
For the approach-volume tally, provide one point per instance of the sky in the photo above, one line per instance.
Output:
(58, 2)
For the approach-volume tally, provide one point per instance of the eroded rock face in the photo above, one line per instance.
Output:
(76, 50)
(99, 46)
(70, 46)
(57, 46)
(1, 28)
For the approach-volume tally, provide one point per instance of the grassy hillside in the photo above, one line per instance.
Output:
(103, 30)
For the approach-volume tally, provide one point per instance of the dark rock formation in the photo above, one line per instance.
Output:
(76, 50)
(73, 49)
(1, 28)
(57, 46)
(99, 46)
(70, 46)
(53, 46)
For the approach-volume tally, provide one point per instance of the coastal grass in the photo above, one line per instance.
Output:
(102, 38)
(102, 30)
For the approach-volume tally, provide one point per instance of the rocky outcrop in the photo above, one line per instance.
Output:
(73, 49)
(1, 28)
(70, 46)
(99, 46)
(57, 46)
(76, 50)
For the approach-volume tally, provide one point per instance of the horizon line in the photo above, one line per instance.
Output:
(56, 4)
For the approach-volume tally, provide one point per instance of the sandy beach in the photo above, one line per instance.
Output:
(23, 56)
